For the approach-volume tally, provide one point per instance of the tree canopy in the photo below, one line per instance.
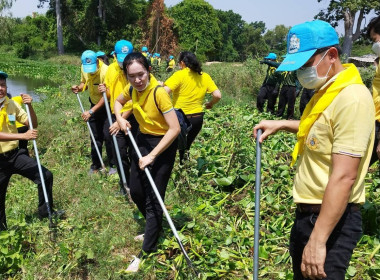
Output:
(192, 25)
(352, 12)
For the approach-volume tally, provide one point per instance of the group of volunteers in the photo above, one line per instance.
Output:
(283, 85)
(335, 136)
(142, 105)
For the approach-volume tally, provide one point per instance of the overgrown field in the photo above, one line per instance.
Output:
(210, 198)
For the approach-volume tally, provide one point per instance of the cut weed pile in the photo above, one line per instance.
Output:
(210, 198)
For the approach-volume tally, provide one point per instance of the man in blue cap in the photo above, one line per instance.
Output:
(92, 75)
(335, 138)
(269, 88)
(15, 160)
(114, 84)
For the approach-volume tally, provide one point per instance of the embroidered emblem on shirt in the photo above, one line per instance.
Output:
(312, 143)
(294, 44)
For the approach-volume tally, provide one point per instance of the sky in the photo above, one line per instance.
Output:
(272, 12)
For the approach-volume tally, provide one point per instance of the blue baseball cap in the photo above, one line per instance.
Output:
(171, 57)
(100, 53)
(144, 49)
(122, 49)
(271, 56)
(89, 60)
(304, 40)
(3, 75)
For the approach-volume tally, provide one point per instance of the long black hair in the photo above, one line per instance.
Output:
(132, 57)
(375, 25)
(190, 61)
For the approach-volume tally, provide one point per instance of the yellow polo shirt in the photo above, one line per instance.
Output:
(189, 89)
(148, 105)
(93, 80)
(12, 108)
(116, 82)
(376, 92)
(18, 100)
(171, 63)
(345, 127)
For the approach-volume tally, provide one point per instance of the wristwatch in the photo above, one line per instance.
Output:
(91, 112)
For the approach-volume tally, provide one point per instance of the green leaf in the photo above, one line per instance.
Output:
(351, 271)
(225, 181)
(224, 254)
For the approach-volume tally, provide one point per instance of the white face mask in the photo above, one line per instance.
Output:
(376, 48)
(309, 78)
(147, 84)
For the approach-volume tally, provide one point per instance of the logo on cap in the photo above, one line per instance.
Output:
(294, 44)
(88, 60)
(125, 49)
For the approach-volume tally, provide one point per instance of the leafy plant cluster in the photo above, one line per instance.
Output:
(210, 198)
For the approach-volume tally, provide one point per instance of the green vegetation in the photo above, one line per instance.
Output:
(211, 198)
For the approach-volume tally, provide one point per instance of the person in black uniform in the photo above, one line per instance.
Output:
(269, 89)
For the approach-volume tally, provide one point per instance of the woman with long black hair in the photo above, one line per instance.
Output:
(157, 142)
(189, 87)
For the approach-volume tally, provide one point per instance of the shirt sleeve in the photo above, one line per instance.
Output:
(82, 76)
(126, 93)
(21, 115)
(376, 92)
(211, 86)
(164, 101)
(174, 81)
(353, 121)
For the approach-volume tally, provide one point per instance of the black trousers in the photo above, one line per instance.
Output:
(306, 95)
(267, 92)
(339, 246)
(124, 146)
(287, 97)
(99, 125)
(141, 190)
(19, 162)
(23, 144)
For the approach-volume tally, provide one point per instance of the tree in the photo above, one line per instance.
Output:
(253, 41)
(347, 10)
(59, 27)
(157, 28)
(6, 4)
(197, 27)
(231, 26)
(276, 39)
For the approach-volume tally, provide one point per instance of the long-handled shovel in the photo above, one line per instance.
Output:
(154, 187)
(257, 207)
(121, 168)
(92, 136)
(51, 225)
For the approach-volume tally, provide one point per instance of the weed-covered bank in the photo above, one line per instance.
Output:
(210, 198)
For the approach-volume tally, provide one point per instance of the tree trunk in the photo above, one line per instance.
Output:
(349, 19)
(158, 32)
(100, 15)
(59, 27)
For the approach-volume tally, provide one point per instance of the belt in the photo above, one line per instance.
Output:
(8, 154)
(316, 208)
(189, 116)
